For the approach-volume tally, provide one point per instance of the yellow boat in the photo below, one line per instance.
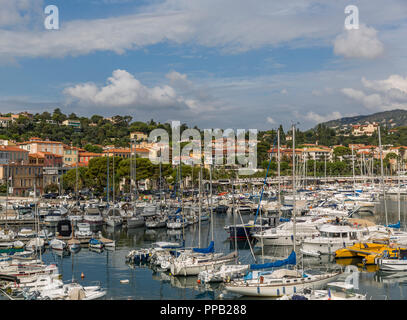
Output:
(360, 249)
(368, 251)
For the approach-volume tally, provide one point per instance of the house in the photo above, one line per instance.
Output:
(138, 136)
(365, 129)
(70, 155)
(317, 154)
(13, 154)
(72, 123)
(35, 145)
(22, 177)
(85, 157)
(5, 121)
(117, 152)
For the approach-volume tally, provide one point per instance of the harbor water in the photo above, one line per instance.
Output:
(109, 267)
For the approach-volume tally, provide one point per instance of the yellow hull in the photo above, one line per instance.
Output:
(368, 251)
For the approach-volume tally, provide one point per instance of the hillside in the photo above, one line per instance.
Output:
(390, 119)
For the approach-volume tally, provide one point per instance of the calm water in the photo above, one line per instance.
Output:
(109, 267)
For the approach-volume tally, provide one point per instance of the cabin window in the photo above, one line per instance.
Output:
(344, 234)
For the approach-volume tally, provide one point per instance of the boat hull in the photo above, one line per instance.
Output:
(280, 289)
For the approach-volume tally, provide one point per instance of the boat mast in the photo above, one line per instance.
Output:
(294, 190)
(211, 202)
(234, 213)
(398, 191)
(113, 182)
(278, 169)
(159, 183)
(200, 206)
(181, 188)
(108, 176)
(135, 180)
(382, 178)
(353, 171)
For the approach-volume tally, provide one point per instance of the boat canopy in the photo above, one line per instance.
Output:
(279, 263)
(209, 249)
(395, 226)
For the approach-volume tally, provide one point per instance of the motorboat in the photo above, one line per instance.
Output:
(57, 244)
(336, 290)
(135, 221)
(26, 233)
(157, 222)
(93, 216)
(83, 230)
(114, 218)
(53, 216)
(74, 245)
(96, 244)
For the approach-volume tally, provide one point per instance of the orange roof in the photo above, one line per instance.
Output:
(142, 150)
(316, 149)
(117, 150)
(12, 148)
(39, 141)
(90, 154)
(36, 155)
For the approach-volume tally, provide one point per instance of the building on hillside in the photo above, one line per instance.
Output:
(118, 152)
(22, 177)
(72, 123)
(24, 114)
(317, 154)
(138, 137)
(5, 121)
(364, 129)
(13, 154)
(35, 145)
(70, 155)
(52, 166)
(85, 157)
(21, 174)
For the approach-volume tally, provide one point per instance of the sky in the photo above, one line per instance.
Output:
(210, 63)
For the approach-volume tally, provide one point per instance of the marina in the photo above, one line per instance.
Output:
(123, 280)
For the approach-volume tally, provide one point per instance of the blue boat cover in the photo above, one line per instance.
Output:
(396, 226)
(279, 263)
(178, 210)
(210, 249)
(285, 219)
(94, 241)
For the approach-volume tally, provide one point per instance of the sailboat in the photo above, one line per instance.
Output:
(200, 259)
(281, 281)
(74, 245)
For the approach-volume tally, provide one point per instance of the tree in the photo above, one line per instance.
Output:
(341, 151)
(58, 116)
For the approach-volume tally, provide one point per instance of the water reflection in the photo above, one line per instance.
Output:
(110, 267)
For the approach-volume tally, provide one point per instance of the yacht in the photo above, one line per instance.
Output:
(93, 216)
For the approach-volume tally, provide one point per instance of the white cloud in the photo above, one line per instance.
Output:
(388, 94)
(317, 118)
(123, 90)
(228, 25)
(373, 101)
(271, 120)
(284, 91)
(359, 43)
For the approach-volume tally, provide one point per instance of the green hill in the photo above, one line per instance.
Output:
(389, 119)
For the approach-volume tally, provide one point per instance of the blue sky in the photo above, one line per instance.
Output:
(225, 63)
